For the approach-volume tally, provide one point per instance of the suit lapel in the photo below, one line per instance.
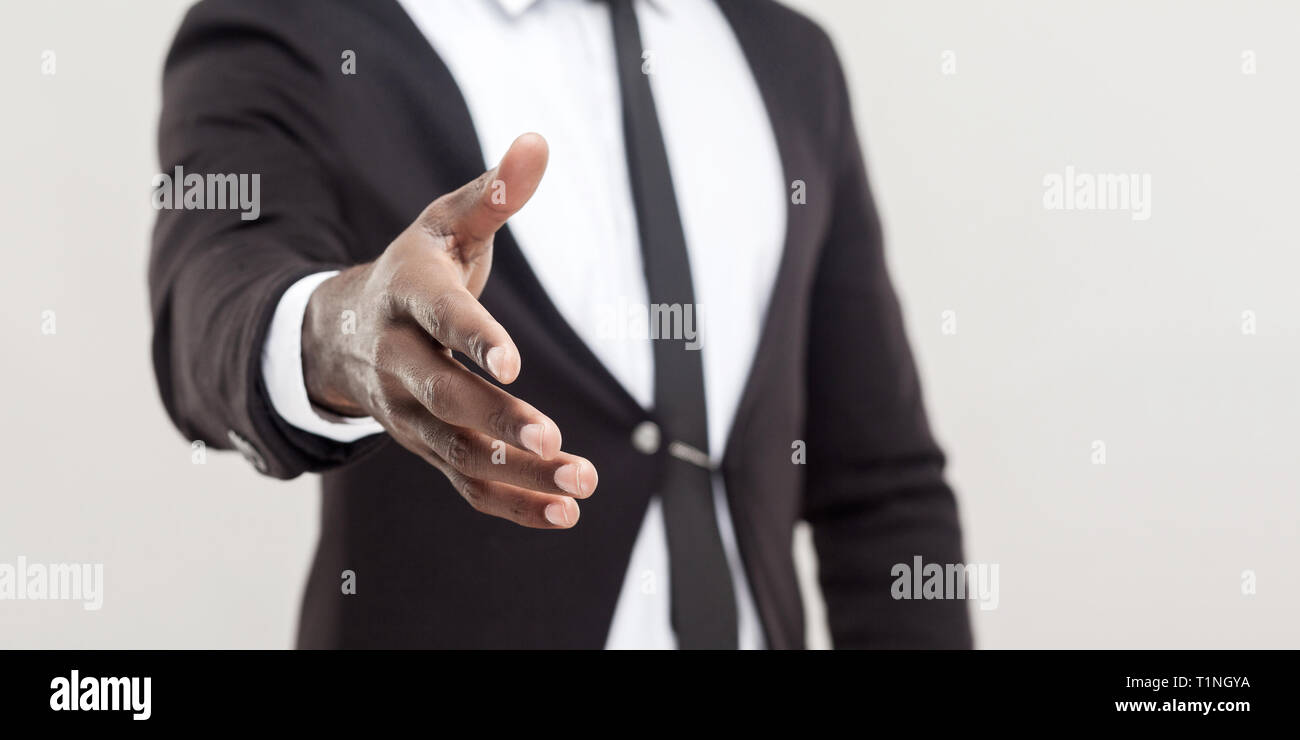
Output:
(797, 147)
(514, 294)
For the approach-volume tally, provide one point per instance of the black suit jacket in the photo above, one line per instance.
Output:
(347, 161)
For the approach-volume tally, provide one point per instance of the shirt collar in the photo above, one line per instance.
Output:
(516, 8)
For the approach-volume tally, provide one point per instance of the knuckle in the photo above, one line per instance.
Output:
(433, 391)
(387, 285)
(458, 451)
(381, 404)
(439, 314)
(382, 351)
(476, 493)
(476, 345)
(416, 444)
(499, 421)
(542, 477)
(379, 395)
(388, 302)
(430, 436)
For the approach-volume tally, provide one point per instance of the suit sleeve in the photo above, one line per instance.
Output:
(875, 492)
(240, 97)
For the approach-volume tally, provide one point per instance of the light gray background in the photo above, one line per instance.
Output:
(1071, 326)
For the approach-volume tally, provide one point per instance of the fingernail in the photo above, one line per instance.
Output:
(567, 477)
(532, 436)
(558, 514)
(495, 360)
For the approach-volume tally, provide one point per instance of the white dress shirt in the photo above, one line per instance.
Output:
(548, 66)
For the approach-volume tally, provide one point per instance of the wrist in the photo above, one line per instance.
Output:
(325, 352)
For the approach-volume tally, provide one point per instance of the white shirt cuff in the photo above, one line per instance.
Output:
(282, 370)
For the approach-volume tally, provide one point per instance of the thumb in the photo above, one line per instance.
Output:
(480, 208)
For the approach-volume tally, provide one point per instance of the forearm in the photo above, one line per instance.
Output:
(211, 323)
(875, 493)
(216, 277)
(888, 520)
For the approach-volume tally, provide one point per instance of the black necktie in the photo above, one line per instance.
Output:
(703, 599)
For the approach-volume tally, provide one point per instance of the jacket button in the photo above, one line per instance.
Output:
(247, 449)
(645, 438)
